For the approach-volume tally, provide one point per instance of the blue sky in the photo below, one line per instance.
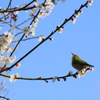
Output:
(53, 58)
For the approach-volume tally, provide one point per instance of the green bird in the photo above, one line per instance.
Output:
(78, 63)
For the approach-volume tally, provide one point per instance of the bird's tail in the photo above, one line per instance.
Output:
(91, 65)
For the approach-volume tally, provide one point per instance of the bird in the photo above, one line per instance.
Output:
(78, 63)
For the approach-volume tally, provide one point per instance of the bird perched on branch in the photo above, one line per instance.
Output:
(78, 63)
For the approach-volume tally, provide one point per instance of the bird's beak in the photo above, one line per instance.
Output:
(72, 53)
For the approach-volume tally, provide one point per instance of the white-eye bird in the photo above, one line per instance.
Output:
(78, 63)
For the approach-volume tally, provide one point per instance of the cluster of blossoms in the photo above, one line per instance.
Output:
(7, 60)
(5, 41)
(81, 73)
(84, 71)
(77, 14)
(45, 9)
(77, 75)
(29, 30)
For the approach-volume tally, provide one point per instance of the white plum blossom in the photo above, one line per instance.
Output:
(13, 77)
(36, 21)
(9, 35)
(51, 5)
(41, 38)
(45, 13)
(54, 79)
(90, 2)
(8, 60)
(73, 20)
(26, 30)
(1, 59)
(35, 25)
(42, 14)
(9, 49)
(31, 14)
(30, 30)
(34, 10)
(32, 27)
(48, 12)
(2, 49)
(6, 41)
(48, 1)
(33, 32)
(35, 3)
(82, 73)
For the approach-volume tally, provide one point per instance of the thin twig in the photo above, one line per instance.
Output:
(4, 97)
(9, 4)
(26, 39)
(19, 25)
(19, 9)
(41, 78)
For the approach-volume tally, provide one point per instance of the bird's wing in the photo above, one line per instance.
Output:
(82, 62)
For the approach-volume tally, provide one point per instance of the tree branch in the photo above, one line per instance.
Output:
(53, 32)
